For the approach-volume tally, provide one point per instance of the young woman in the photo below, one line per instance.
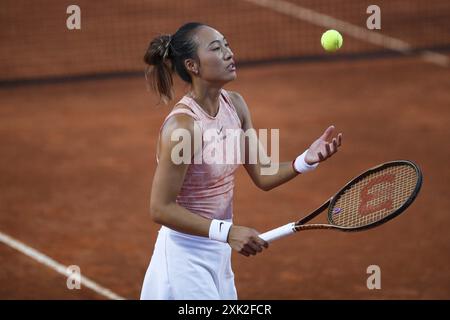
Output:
(194, 201)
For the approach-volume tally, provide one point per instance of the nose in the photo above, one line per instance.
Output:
(228, 53)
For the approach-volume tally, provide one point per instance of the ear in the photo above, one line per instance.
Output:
(191, 66)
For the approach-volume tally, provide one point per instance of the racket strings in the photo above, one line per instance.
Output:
(374, 197)
(399, 193)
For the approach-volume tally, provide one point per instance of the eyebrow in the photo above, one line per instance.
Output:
(217, 41)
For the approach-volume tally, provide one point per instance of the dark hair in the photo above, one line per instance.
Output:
(166, 54)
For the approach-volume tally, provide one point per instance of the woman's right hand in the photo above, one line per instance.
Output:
(246, 240)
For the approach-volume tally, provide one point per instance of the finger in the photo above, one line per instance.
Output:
(255, 246)
(327, 147)
(339, 139)
(328, 133)
(258, 244)
(320, 156)
(262, 242)
(335, 145)
(244, 253)
(249, 249)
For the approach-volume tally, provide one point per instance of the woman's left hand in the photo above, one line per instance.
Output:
(323, 148)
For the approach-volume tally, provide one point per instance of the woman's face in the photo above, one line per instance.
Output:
(215, 56)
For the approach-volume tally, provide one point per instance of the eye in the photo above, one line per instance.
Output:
(215, 49)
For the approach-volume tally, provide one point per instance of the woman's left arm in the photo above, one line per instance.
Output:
(320, 150)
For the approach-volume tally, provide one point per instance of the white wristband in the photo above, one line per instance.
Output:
(219, 229)
(300, 164)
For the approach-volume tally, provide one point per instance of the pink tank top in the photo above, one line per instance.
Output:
(207, 189)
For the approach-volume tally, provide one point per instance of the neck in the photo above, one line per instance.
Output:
(207, 98)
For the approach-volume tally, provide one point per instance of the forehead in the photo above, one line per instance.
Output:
(205, 35)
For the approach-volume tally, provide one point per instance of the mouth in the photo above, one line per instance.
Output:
(231, 67)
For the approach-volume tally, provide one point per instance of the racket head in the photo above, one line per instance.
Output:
(375, 196)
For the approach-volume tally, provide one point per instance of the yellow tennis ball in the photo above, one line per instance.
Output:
(331, 40)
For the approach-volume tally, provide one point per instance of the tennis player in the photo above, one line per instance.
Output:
(194, 201)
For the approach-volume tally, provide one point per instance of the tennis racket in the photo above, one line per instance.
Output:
(369, 200)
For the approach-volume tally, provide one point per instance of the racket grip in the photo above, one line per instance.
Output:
(279, 232)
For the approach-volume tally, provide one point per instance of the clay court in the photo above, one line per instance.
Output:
(77, 159)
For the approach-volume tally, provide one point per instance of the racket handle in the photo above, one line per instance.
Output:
(279, 232)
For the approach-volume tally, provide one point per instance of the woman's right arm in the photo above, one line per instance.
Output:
(167, 183)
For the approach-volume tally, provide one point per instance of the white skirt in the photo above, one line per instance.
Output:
(187, 267)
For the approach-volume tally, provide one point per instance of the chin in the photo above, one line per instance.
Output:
(231, 76)
(224, 79)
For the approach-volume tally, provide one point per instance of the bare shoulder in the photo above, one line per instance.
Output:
(237, 99)
(240, 105)
(177, 121)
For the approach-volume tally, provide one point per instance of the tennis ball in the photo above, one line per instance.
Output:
(331, 40)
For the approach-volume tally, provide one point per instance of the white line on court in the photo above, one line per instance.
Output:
(326, 21)
(58, 267)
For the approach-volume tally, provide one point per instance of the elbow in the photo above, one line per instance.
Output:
(264, 187)
(156, 213)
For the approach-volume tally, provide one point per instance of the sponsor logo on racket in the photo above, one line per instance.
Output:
(373, 194)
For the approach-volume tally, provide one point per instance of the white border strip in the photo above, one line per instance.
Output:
(326, 21)
(58, 267)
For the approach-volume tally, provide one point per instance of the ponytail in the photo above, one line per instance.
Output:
(166, 54)
(159, 70)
